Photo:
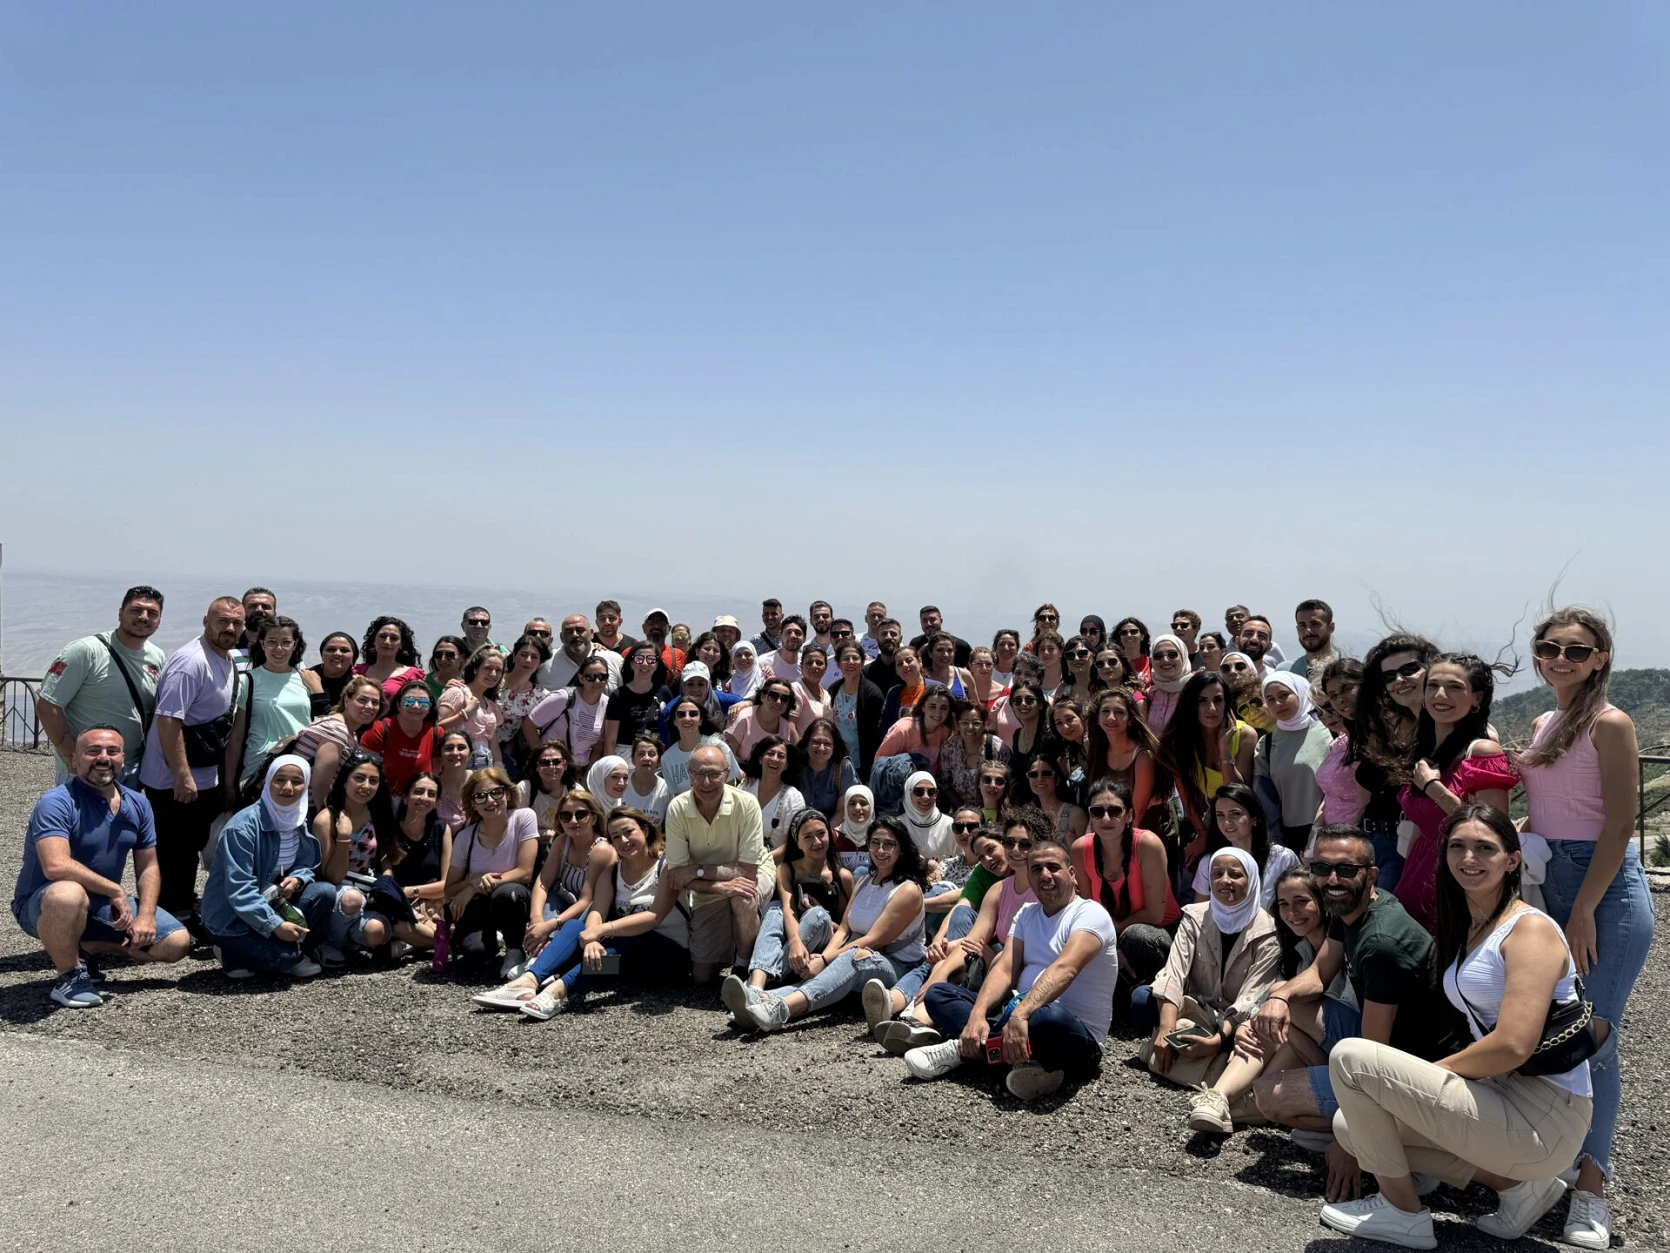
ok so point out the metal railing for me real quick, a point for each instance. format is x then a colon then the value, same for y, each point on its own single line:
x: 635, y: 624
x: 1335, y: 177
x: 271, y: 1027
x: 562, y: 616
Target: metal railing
x: 1653, y: 755
x: 20, y: 719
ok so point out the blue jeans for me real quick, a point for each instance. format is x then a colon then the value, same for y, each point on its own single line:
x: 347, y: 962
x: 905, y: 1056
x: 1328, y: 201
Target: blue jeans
x: 963, y: 918
x: 1145, y: 1010
x: 845, y: 975
x: 1339, y: 1022
x: 649, y: 958
x: 1387, y: 859
x: 771, y: 946
x: 1623, y: 935
x: 1059, y: 1040
x: 561, y: 951
x: 253, y: 951
x: 99, y: 931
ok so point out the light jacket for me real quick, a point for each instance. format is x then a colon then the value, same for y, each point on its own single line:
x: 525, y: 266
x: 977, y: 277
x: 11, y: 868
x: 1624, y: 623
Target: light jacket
x: 1196, y: 966
x: 246, y: 864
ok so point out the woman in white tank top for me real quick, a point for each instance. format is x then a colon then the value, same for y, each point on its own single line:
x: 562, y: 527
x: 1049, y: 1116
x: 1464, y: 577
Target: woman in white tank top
x: 1473, y: 1115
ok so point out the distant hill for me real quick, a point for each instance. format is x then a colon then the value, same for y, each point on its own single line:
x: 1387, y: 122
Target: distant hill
x: 1642, y: 694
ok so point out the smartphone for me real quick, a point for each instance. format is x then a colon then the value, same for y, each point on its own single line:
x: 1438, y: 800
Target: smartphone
x: 1185, y: 1036
x: 610, y: 965
x: 994, y: 1050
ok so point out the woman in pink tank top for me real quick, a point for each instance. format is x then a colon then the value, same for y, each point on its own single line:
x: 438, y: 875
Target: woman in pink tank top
x: 1580, y: 791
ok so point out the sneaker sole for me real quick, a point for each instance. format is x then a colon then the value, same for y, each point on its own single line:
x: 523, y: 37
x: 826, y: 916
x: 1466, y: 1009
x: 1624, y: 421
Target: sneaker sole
x: 67, y: 1003
x: 489, y: 1001
x: 734, y: 993
x: 878, y: 1004
x: 1515, y: 1233
x: 1431, y: 1242
x: 1029, y: 1087
x: 898, y: 1038
x: 1203, y: 1121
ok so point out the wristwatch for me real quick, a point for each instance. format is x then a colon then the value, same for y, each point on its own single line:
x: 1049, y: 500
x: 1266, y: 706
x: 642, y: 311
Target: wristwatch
x: 701, y: 872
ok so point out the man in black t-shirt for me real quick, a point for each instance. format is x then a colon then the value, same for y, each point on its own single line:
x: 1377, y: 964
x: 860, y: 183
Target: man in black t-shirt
x: 933, y: 622
x: 1388, y: 963
x: 880, y: 671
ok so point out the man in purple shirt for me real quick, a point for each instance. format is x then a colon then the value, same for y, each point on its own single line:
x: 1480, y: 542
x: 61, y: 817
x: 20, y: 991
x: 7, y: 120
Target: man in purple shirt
x: 184, y: 749
x: 69, y: 892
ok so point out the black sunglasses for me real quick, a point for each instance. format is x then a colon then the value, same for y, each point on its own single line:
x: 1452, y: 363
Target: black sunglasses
x: 1107, y: 811
x: 1548, y: 650
x: 1407, y: 670
x: 1079, y: 652
x: 962, y: 828
x: 1344, y: 869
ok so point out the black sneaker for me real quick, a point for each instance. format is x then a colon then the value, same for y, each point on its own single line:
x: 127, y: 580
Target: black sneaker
x: 95, y: 972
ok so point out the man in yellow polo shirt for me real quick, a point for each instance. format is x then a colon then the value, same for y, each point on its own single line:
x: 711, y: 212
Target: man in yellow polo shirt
x: 716, y: 851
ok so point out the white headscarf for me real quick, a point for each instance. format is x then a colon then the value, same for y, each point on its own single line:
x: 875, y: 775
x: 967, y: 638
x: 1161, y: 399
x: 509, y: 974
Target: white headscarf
x: 1170, y: 685
x: 1300, y: 687
x: 1251, y: 664
x: 745, y: 679
x: 930, y: 829
x: 601, y: 771
x: 857, y: 832
x: 1236, y: 919
x: 286, y: 818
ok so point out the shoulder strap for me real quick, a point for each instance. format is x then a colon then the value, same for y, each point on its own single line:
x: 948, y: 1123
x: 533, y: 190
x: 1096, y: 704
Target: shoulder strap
x: 249, y: 725
x: 133, y: 688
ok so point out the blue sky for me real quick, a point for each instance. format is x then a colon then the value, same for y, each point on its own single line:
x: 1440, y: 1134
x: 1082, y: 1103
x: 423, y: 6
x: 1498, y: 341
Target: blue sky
x: 965, y: 302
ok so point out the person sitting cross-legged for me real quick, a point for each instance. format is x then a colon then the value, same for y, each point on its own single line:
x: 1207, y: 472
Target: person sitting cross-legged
x: 69, y: 892
x: 1049, y: 996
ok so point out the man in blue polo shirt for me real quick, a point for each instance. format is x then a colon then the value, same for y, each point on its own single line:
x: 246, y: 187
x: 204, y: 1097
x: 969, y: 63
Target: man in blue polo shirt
x: 69, y: 893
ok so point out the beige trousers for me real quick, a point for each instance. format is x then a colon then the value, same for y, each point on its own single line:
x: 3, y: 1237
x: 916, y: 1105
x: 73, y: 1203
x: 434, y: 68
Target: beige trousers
x: 1398, y: 1113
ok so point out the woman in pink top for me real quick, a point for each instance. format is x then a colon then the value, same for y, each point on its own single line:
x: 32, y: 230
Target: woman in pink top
x: 772, y: 713
x: 1580, y: 794
x: 924, y: 731
x: 1456, y: 762
x: 473, y: 706
x: 1342, y: 797
x: 811, y: 701
x: 1170, y: 670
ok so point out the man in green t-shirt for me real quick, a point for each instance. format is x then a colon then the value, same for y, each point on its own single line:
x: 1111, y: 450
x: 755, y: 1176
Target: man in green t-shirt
x: 96, y: 679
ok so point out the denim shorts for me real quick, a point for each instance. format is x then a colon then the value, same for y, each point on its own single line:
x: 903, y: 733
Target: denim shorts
x: 1339, y: 1022
x: 99, y: 931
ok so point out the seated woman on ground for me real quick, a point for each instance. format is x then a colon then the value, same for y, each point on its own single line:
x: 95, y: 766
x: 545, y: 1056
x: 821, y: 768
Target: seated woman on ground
x: 765, y: 778
x: 968, y: 940
x: 580, y: 859
x: 995, y: 785
x: 770, y: 714
x: 548, y: 782
x: 607, y: 780
x: 262, y: 848
x: 923, y: 731
x: 325, y: 741
x: 416, y: 858
x: 635, y: 929
x: 1238, y: 821
x: 880, y: 939
x: 1221, y: 966
x: 827, y: 769
x: 852, y: 833
x: 358, y: 819
x: 487, y: 879
x: 1043, y: 778
x: 646, y: 790
x: 1301, y: 929
x: 1125, y: 868
x: 813, y: 889
x: 964, y: 752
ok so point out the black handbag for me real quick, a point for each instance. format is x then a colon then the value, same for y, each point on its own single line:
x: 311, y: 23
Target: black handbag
x: 1570, y: 1035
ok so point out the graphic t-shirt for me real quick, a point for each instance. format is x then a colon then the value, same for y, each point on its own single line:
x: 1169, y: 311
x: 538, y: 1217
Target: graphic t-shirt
x: 83, y: 681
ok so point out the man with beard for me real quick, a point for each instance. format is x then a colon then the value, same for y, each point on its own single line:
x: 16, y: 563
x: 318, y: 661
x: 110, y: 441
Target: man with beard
x: 889, y: 635
x: 577, y: 645
x: 819, y: 618
x: 785, y: 662
x: 477, y: 626
x: 184, y: 750
x: 106, y: 679
x: 1390, y: 966
x: 69, y: 892
x: 771, y: 618
x: 657, y: 629
x: 259, y: 604
x: 1256, y: 639
x: 933, y: 622
x: 1314, y: 620
x: 608, y: 634
x: 875, y: 613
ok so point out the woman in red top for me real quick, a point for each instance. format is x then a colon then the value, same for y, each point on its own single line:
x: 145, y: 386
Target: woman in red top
x: 1125, y: 868
x: 1130, y: 636
x: 407, y: 738
x: 1456, y: 762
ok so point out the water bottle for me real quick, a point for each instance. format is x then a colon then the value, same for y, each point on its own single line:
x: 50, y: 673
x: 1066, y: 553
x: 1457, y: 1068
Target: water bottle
x: 442, y: 955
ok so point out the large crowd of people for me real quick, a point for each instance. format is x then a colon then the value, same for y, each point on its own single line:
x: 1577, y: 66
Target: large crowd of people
x: 1295, y: 878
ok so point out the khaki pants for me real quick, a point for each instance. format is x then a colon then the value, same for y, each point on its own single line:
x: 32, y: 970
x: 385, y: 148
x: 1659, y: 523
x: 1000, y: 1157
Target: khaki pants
x: 715, y: 939
x: 1398, y: 1113
x: 1186, y: 1072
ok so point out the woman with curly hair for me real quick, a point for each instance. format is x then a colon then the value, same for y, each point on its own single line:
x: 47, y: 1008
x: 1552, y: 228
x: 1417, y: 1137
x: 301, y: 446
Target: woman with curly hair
x: 389, y: 654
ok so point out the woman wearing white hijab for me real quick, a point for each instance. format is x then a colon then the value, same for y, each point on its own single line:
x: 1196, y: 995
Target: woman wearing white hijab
x: 746, y: 676
x: 1169, y: 671
x: 852, y: 834
x: 1222, y: 964
x: 929, y: 829
x: 607, y: 781
x: 261, y: 903
x: 1286, y: 761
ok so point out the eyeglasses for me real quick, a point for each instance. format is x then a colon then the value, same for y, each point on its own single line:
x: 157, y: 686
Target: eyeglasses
x: 685, y: 715
x: 1022, y: 845
x: 1344, y: 869
x: 1129, y: 631
x: 884, y: 845
x: 445, y: 654
x: 1548, y: 650
x: 707, y: 776
x: 574, y: 815
x: 1235, y: 667
x: 495, y: 793
x: 552, y: 763
x: 963, y: 828
x: 924, y: 791
x: 1181, y: 626
x: 415, y: 702
x: 1407, y: 670
x: 544, y: 635
x: 1079, y: 652
x: 364, y: 756
x: 1254, y: 702
x: 1107, y: 811
x: 1168, y: 655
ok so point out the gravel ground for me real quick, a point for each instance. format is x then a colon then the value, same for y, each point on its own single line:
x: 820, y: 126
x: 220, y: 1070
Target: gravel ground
x: 673, y: 1055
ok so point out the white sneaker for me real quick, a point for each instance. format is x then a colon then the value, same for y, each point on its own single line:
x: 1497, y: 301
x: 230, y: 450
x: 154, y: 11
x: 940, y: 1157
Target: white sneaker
x: 933, y: 1061
x: 1209, y: 1111
x: 901, y: 1035
x: 510, y: 995
x: 547, y: 1005
x: 1589, y: 1224
x: 512, y: 964
x: 878, y: 1003
x: 240, y: 972
x: 734, y: 993
x: 306, y: 968
x: 398, y: 950
x: 769, y: 1015
x: 1376, y: 1218
x: 1518, y: 1209
x: 1029, y: 1081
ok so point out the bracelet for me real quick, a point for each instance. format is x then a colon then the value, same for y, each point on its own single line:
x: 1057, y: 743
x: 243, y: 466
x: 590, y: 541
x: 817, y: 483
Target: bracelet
x: 1427, y: 790
x: 1282, y: 999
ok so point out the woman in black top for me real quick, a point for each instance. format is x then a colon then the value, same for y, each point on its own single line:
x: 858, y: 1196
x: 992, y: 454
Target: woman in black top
x: 1382, y: 749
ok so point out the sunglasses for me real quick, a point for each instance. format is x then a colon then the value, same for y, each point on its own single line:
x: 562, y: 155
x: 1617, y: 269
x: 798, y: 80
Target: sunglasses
x: 1022, y: 845
x: 552, y: 763
x: 415, y: 702
x: 1040, y: 774
x: 993, y: 780
x: 1344, y: 869
x: 478, y: 622
x: 1168, y: 655
x: 544, y: 635
x: 594, y: 678
x: 1107, y: 811
x: 924, y: 791
x: 780, y: 698
x: 1181, y: 626
x: 1107, y: 663
x: 1407, y: 670
x: 450, y: 654
x: 1548, y: 650
x: 1024, y: 702
x: 963, y: 828
x: 685, y: 714
x: 1130, y: 631
x: 574, y: 815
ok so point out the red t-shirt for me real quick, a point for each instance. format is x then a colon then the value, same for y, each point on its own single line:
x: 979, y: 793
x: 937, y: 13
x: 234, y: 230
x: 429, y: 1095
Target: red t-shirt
x: 403, y: 756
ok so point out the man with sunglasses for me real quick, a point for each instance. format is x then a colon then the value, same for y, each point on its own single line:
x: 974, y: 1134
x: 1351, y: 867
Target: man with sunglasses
x: 1185, y: 625
x: 577, y: 645
x: 1390, y: 966
x: 477, y: 627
